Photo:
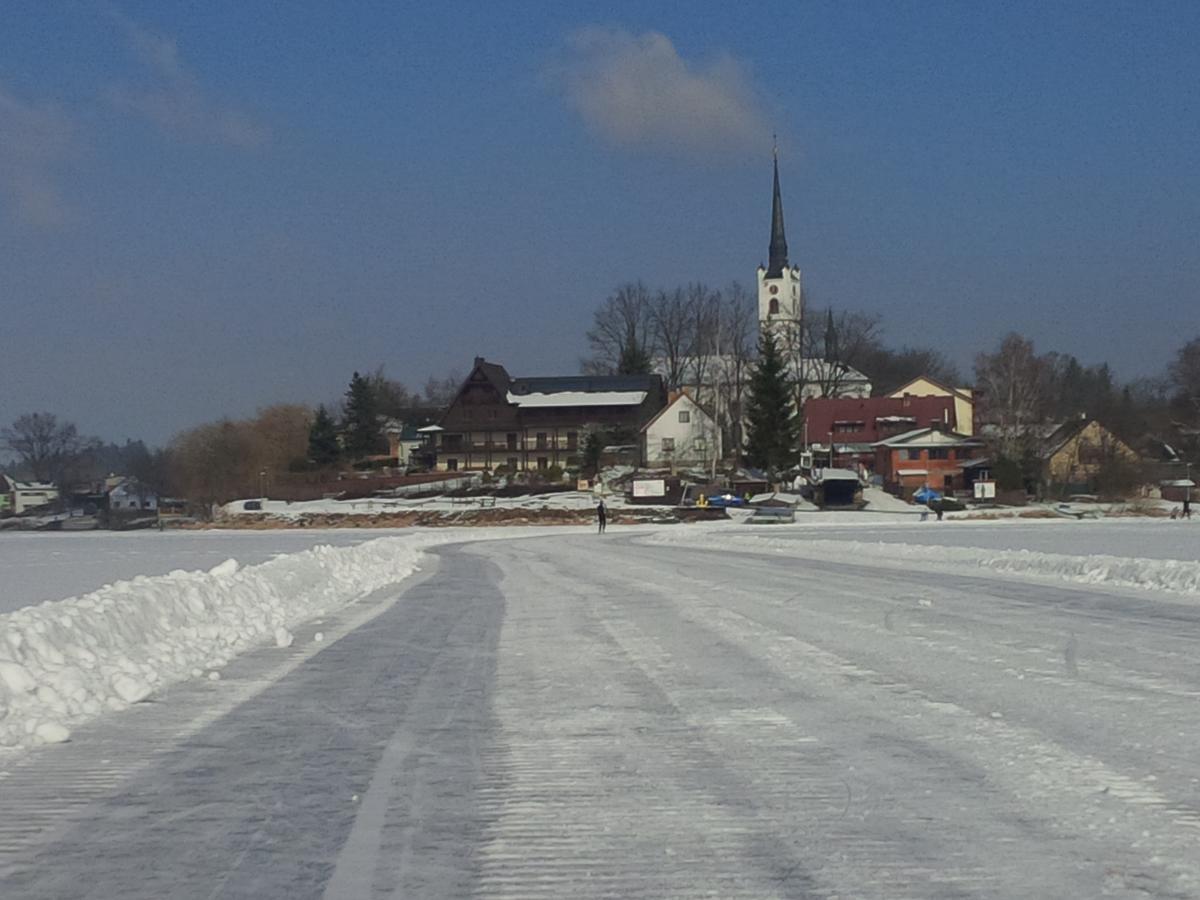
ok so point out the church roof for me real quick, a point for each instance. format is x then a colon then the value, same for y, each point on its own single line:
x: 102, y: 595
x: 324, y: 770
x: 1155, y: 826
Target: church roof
x: 778, y: 259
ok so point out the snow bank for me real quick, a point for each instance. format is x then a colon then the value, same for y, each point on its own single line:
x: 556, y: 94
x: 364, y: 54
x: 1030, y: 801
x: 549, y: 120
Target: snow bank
x: 1172, y: 575
x: 880, y: 500
x: 65, y: 661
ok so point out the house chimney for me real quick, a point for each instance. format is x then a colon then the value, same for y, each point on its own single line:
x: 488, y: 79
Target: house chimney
x: 479, y: 361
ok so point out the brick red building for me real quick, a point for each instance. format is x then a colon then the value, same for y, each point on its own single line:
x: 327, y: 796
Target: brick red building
x: 923, y: 457
x: 853, y: 425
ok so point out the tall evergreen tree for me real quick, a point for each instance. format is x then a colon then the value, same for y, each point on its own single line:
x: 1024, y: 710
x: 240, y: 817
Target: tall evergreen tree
x: 773, y: 430
x: 323, y: 447
x: 362, y: 435
x: 635, y: 360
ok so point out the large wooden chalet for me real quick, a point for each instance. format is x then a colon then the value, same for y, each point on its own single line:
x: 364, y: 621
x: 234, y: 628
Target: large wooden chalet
x: 534, y: 423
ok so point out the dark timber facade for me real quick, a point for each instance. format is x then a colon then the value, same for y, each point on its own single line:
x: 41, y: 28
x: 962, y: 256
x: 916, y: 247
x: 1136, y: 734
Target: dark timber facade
x: 528, y: 424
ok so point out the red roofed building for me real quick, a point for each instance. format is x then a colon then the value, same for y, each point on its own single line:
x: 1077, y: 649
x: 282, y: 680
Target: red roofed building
x: 852, y: 425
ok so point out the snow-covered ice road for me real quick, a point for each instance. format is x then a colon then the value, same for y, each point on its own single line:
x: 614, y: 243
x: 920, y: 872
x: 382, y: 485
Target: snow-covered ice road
x: 576, y: 716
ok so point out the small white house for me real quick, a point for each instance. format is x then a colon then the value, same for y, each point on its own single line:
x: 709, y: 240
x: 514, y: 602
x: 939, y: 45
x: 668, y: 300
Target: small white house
x: 682, y: 434
x: 131, y: 495
x: 27, y: 495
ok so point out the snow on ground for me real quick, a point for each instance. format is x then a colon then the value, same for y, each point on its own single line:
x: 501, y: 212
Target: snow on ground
x: 65, y: 661
x: 1144, y: 538
x: 383, y: 505
x: 879, y: 500
x: 1140, y: 560
x: 62, y: 662
x: 40, y: 566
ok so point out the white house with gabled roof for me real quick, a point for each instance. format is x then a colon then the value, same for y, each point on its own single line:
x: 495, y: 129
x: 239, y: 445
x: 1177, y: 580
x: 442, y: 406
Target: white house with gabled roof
x: 682, y: 434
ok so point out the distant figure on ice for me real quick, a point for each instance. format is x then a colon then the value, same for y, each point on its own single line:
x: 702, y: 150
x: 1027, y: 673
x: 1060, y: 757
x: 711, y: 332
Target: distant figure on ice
x: 1187, y: 507
x: 601, y: 516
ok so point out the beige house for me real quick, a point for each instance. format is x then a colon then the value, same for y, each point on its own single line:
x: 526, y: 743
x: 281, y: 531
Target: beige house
x: 964, y: 399
x: 1076, y: 450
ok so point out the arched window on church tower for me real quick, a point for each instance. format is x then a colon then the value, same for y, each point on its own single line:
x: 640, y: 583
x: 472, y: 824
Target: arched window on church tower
x: 773, y: 309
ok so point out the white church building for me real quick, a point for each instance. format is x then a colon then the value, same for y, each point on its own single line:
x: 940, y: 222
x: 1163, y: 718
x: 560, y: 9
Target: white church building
x: 781, y: 312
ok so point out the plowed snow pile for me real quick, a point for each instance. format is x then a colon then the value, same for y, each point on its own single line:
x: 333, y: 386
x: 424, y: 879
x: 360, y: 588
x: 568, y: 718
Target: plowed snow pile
x: 65, y: 661
x: 1175, y: 576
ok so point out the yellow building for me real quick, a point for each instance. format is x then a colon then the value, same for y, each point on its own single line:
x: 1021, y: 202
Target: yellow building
x: 964, y: 399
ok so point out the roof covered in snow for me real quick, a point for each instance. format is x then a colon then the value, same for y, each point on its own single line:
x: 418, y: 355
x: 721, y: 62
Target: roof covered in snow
x: 578, y: 398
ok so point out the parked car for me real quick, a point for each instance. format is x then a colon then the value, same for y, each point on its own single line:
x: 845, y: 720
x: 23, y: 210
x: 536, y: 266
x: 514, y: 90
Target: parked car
x: 727, y: 499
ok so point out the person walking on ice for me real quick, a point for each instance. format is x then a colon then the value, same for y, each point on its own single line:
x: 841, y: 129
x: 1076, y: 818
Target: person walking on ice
x: 601, y: 516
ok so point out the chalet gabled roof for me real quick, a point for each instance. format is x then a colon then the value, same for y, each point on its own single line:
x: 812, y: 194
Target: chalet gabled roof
x: 676, y: 398
x: 929, y: 437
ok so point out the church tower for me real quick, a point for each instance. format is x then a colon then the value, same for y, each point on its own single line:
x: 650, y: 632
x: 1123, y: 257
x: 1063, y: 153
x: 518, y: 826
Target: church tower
x: 780, y: 299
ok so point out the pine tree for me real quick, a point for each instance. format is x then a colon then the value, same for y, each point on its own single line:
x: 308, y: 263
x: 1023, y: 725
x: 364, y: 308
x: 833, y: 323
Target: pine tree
x: 323, y: 447
x: 362, y: 435
x: 773, y: 431
x: 634, y: 358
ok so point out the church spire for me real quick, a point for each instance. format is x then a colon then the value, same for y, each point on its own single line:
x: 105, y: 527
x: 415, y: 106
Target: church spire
x: 778, y: 260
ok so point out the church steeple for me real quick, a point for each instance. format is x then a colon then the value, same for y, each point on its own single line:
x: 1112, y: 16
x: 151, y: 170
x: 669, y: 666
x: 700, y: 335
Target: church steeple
x: 778, y: 259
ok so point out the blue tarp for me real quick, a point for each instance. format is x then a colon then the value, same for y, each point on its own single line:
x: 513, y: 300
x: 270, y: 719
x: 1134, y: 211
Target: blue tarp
x: 926, y: 495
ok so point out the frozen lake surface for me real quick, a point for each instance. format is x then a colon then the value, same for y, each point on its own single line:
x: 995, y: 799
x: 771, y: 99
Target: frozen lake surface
x: 1144, y: 538
x: 568, y: 715
x: 51, y: 566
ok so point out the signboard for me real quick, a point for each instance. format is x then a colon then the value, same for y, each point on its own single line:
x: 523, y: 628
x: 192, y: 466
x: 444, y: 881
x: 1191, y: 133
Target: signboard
x: 651, y: 487
x: 985, y: 490
x: 582, y: 484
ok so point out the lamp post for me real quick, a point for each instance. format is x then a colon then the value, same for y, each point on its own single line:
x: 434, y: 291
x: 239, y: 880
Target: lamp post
x: 262, y: 491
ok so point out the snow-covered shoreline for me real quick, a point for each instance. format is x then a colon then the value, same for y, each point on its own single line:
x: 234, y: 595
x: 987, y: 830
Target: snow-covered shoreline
x: 63, y: 662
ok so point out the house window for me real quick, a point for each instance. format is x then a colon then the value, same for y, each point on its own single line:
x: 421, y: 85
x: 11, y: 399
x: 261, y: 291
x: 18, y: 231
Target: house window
x: 572, y: 440
x: 452, y: 465
x: 700, y: 444
x: 685, y: 416
x: 912, y: 455
x: 939, y: 453
x: 541, y: 440
x: 543, y: 463
x: 511, y: 441
x: 668, y: 445
x: 512, y: 464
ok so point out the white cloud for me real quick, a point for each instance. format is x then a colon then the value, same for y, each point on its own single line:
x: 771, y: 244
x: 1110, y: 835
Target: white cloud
x: 34, y: 140
x: 174, y: 99
x: 636, y: 91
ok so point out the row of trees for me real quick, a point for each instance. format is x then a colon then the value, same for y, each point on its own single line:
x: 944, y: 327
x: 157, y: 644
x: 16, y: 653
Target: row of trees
x: 228, y: 458
x: 705, y: 338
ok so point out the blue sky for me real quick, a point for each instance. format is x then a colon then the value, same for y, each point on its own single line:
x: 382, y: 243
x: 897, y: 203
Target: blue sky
x: 207, y: 208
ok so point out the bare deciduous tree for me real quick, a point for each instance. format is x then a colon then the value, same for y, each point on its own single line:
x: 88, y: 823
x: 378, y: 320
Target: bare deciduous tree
x: 221, y: 461
x: 1184, y: 376
x: 832, y: 347
x: 50, y: 449
x: 672, y: 334
x: 440, y: 391
x: 621, y: 327
x: 1013, y: 383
